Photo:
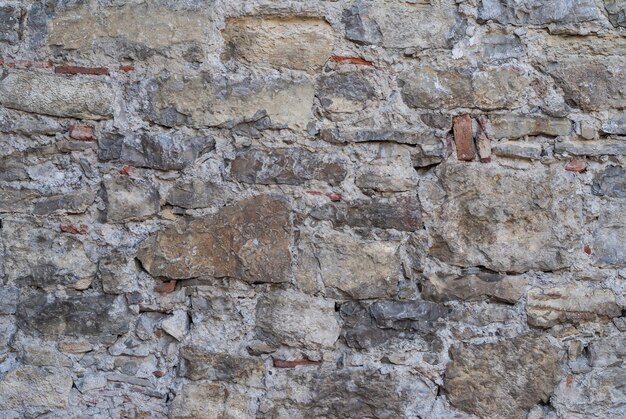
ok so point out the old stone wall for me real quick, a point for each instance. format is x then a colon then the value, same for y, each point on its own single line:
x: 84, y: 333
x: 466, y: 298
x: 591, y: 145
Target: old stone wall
x: 303, y: 209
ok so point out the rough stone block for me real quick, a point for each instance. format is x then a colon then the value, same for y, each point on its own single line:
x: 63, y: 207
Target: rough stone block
x: 515, y: 126
x: 130, y: 199
x: 28, y: 387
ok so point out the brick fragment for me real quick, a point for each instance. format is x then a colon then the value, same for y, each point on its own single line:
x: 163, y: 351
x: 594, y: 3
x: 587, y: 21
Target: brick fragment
x: 24, y: 64
x: 74, y: 228
x: 464, y: 138
x: 333, y: 196
x: 282, y: 363
x: 127, y: 68
x: 577, y: 166
x: 71, y: 69
x: 587, y: 249
x: 82, y: 132
x: 126, y: 170
x: 350, y: 60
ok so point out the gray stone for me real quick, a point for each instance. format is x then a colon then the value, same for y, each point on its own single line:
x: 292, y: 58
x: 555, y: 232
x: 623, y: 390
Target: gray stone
x: 76, y: 315
x: 388, y: 174
x: 72, y: 203
x: 118, y: 273
x: 515, y: 126
x: 577, y: 303
x: 407, y: 315
x: 610, y: 182
x: 172, y: 150
x: 517, y: 149
x: 295, y: 319
x: 360, y: 27
x: 196, y: 194
x: 249, y: 240
x: 27, y: 387
x: 56, y: 95
x: 608, y: 352
x: 503, y: 379
x: 474, y: 287
x: 8, y: 299
x: 503, y: 219
x: 345, y: 92
x: 591, y: 148
x: 130, y: 199
x: 537, y: 12
x: 300, y: 43
x: 9, y: 24
x: 608, y: 237
x: 401, y: 213
x: 290, y: 166
x: 615, y: 124
x: 176, y: 325
x: 617, y: 12
x: 205, y: 365
x: 209, y: 400
x: 359, y: 328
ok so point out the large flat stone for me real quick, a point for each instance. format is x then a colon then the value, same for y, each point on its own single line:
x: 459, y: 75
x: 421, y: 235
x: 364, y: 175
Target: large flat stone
x: 27, y: 387
x: 249, y: 240
x: 56, y: 95
x: 608, y: 248
x: 503, y: 219
x: 474, y: 287
x: 515, y: 126
x: 217, y: 366
x: 129, y: 199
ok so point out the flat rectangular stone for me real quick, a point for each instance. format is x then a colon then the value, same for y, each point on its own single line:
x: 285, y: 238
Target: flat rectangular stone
x: 607, y: 147
x: 512, y: 126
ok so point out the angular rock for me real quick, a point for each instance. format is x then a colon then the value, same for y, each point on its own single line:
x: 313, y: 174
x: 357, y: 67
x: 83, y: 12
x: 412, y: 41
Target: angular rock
x: 8, y: 299
x: 195, y: 194
x: 345, y: 92
x: 202, y: 365
x: 504, y: 379
x: 209, y: 100
x: 295, y: 319
x: 176, y: 325
x: 474, y: 287
x: 70, y: 97
x: 9, y: 23
x: 41, y: 257
x: 352, y: 268
x: 172, y: 150
x: 130, y: 199
x: 576, y: 303
x: 407, y: 315
x: 401, y: 213
x: 491, y: 88
x: 118, y: 273
x: 28, y: 387
x: 289, y: 166
x: 99, y: 316
x: 209, y: 400
x: 360, y: 25
x: 359, y: 328
x: 608, y: 237
x: 608, y: 352
x: 517, y: 149
x: 249, y: 241
x: 125, y: 27
x: 591, y: 148
x: 515, y: 126
x: 537, y: 12
x: 388, y: 174
x: 616, y: 124
x: 299, y: 43
x: 592, y: 84
x: 610, y: 182
x: 503, y: 219
x: 72, y: 203
x: 617, y: 12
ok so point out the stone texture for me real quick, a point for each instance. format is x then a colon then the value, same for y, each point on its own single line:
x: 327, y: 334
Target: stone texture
x: 388, y: 174
x: 206, y: 100
x: 534, y: 229
x: 248, y: 240
x: 570, y: 304
x: 504, y: 379
x: 289, y: 166
x: 474, y: 286
x: 299, y: 43
x: 295, y: 319
x: 536, y: 12
x: 56, y: 95
x: 611, y: 182
x: 195, y: 194
x: 211, y: 400
x: 203, y: 365
x: 617, y: 12
x: 30, y: 387
x: 591, y: 148
x: 516, y: 126
x: 464, y: 138
x: 608, y: 237
x: 9, y: 23
x: 129, y: 199
x: 344, y: 93
x: 518, y: 149
x: 615, y: 124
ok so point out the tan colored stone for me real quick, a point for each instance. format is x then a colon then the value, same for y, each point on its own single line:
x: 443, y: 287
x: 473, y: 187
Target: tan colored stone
x: 218, y: 366
x: 576, y: 303
x: 479, y: 286
x: 300, y: 43
x: 30, y: 387
x: 209, y: 400
x: 74, y: 346
x: 249, y: 240
x: 516, y: 126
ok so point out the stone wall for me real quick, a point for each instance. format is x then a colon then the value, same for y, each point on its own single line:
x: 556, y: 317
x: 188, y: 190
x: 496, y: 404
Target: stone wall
x: 295, y: 209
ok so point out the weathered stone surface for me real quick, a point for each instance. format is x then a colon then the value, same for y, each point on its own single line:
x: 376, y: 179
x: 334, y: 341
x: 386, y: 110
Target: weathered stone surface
x: 431, y: 87
x: 208, y: 100
x: 615, y: 124
x: 249, y: 240
x: 204, y: 365
x: 506, y: 220
x: 617, y: 12
x: 9, y: 24
x: 610, y: 182
x: 125, y: 26
x: 172, y: 150
x: 537, y: 12
x: 474, y: 286
x: 72, y: 202
x: 517, y: 149
x: 294, y: 319
x: 300, y: 43
x: 28, y: 387
x: 388, y: 174
x: 8, y: 299
x: 359, y: 328
x: 504, y: 379
x: 209, y: 400
x: 592, y: 148
x: 407, y: 315
x: 76, y: 315
x: 464, y: 138
x: 130, y: 199
x: 608, y: 352
x: 592, y: 84
x: 361, y: 27
x: 401, y: 213
x: 118, y: 273
x: 71, y: 97
x: 608, y: 237
x: 342, y: 93
x: 290, y: 166
x: 41, y: 257
x: 349, y: 392
x: 352, y: 268
x: 195, y: 194
x: 575, y: 304
x: 515, y: 126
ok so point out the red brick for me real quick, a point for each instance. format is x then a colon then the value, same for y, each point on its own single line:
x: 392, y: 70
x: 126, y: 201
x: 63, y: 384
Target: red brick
x: 126, y: 170
x: 74, y: 229
x: 350, y: 60
x: 11, y: 63
x: 71, y: 69
x: 127, y: 68
x: 166, y: 287
x: 333, y: 196
x: 587, y: 249
x: 82, y: 132
x: 464, y: 138
x: 577, y: 166
x: 281, y: 363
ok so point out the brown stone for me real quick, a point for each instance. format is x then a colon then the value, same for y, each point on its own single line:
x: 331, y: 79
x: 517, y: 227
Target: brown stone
x: 82, y: 132
x: 464, y: 138
x: 249, y: 241
x: 282, y: 363
x: 74, y: 346
x: 577, y: 166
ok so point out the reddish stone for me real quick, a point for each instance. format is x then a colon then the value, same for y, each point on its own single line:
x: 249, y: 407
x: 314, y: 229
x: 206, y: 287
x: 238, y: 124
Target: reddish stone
x: 587, y: 249
x: 316, y: 193
x: 82, y: 132
x: 282, y: 363
x: 158, y: 374
x: 166, y: 287
x: 74, y: 229
x: 569, y: 381
x: 464, y: 138
x: 126, y: 170
x: 11, y: 63
x: 333, y: 196
x: 351, y: 60
x: 577, y: 166
x: 71, y: 69
x: 127, y: 68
